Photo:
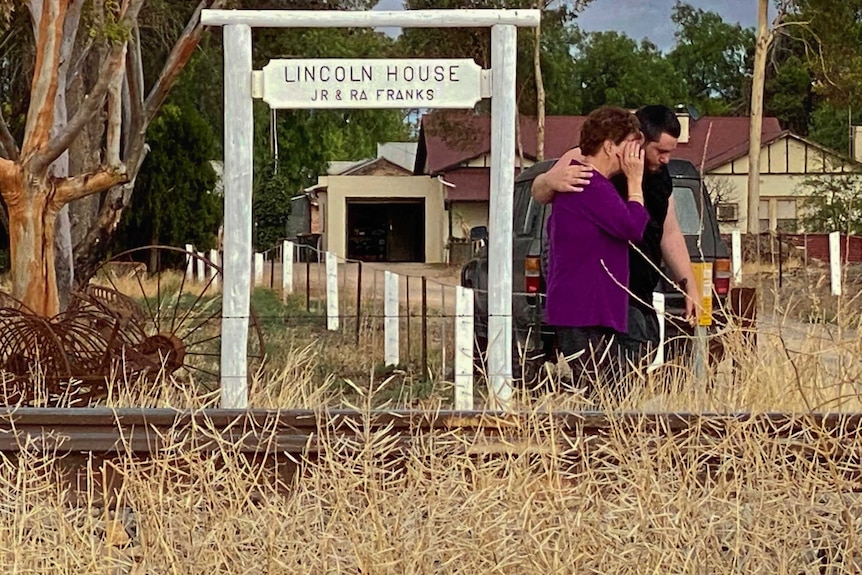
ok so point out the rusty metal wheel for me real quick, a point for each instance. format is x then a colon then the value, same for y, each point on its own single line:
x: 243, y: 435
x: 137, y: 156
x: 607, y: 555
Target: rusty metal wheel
x: 31, y: 356
x: 173, y: 322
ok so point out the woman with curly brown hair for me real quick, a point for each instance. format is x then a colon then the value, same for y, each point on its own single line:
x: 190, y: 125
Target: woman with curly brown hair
x: 588, y: 233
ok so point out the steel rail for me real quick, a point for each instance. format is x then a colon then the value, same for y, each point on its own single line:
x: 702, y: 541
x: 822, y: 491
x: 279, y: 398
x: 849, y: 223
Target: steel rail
x: 141, y: 431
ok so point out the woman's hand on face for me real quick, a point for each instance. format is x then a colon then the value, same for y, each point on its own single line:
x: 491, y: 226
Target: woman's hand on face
x: 632, y: 160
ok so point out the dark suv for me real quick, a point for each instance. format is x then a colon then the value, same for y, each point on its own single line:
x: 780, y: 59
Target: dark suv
x: 532, y: 338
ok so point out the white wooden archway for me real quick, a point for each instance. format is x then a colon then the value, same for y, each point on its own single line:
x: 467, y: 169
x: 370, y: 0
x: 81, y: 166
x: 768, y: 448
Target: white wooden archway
x: 238, y: 88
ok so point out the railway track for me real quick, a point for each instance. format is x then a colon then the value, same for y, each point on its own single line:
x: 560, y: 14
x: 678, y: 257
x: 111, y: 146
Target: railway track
x: 92, y: 449
x: 295, y: 433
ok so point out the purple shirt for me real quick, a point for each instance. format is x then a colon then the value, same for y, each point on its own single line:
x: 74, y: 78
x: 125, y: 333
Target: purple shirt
x: 587, y: 233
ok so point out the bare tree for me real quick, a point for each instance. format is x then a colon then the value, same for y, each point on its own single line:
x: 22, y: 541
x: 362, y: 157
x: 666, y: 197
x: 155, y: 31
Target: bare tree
x: 721, y: 190
x: 34, y: 178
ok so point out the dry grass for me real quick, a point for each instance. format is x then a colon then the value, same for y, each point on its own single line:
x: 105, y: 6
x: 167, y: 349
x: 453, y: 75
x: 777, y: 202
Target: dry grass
x: 635, y: 501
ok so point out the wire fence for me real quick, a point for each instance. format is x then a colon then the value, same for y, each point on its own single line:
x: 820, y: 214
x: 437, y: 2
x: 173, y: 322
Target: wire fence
x: 397, y: 322
x: 425, y: 326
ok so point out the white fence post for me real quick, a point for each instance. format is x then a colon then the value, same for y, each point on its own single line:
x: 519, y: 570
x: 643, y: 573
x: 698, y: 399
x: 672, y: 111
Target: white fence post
x: 835, y: 261
x: 463, y: 348
x: 391, y: 335
x: 213, y: 268
x: 331, y: 292
x: 286, y: 269
x: 736, y: 255
x: 201, y: 266
x: 658, y: 306
x: 190, y: 262
x: 258, y: 269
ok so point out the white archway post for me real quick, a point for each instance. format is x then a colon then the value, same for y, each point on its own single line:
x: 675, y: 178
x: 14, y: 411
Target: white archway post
x: 241, y: 84
x: 238, y: 162
x: 504, y: 114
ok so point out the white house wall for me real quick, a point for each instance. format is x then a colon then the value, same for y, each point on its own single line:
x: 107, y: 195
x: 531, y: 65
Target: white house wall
x: 342, y: 188
x: 784, y: 165
x: 466, y: 215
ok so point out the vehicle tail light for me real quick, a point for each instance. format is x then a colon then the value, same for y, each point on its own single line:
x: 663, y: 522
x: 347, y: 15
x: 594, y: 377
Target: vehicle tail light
x: 721, y: 277
x: 532, y: 273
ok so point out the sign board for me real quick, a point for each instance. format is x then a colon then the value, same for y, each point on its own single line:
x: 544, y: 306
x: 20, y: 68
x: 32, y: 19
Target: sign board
x: 363, y: 83
x: 703, y: 278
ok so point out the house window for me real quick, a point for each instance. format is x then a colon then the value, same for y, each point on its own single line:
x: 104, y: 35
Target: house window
x: 727, y: 212
x: 763, y: 215
x: 785, y: 216
x: 787, y: 226
x: 779, y: 215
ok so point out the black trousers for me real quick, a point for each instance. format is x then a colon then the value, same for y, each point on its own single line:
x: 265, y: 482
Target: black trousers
x: 593, y: 353
x: 638, y: 347
x: 601, y: 355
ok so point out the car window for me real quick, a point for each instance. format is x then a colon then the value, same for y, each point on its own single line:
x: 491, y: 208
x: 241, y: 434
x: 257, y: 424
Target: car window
x: 687, y: 213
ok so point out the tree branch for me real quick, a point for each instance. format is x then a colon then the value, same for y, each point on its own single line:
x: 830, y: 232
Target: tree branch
x: 48, y: 23
x: 177, y: 59
x: 105, y: 178
x: 115, y: 116
x: 94, y: 101
x: 133, y: 94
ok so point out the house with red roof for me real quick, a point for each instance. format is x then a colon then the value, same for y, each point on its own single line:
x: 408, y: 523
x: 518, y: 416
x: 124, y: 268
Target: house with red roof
x: 414, y: 201
x: 455, y: 146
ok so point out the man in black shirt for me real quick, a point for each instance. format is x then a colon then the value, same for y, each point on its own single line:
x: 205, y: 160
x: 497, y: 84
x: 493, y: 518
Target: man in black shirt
x: 663, y: 239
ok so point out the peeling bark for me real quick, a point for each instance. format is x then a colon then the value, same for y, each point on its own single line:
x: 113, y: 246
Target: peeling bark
x: 64, y: 262
x: 115, y: 117
x: 31, y: 238
x: 43, y: 90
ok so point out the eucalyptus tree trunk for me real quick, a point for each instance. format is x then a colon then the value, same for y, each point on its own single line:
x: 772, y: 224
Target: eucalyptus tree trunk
x: 764, y: 37
x: 35, y: 180
x: 63, y: 263
x: 139, y: 111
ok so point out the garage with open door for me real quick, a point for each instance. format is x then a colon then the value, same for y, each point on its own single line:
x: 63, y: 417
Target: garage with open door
x: 386, y: 230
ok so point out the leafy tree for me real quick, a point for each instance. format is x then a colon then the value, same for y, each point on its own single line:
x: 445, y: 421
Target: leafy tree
x: 833, y: 204
x: 832, y: 33
x: 611, y: 68
x: 559, y: 69
x: 788, y: 95
x: 272, y: 193
x: 175, y: 203
x: 829, y: 126
x: 713, y: 58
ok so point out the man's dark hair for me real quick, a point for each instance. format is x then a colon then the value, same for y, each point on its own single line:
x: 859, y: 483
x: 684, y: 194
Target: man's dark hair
x: 657, y: 120
x: 607, y: 123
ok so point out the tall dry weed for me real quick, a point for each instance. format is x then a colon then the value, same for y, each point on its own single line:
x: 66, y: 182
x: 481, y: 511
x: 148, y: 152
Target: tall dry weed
x: 635, y: 499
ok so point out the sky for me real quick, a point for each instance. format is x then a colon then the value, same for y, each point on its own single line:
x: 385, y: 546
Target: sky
x: 641, y: 19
